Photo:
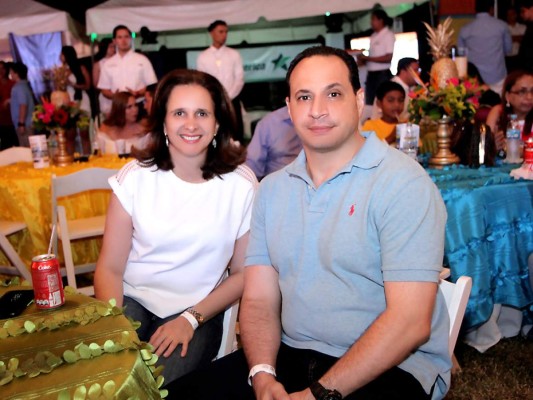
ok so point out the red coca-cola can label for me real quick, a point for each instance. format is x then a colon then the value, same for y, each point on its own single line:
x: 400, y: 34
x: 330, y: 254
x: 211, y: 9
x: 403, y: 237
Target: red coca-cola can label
x: 47, y: 283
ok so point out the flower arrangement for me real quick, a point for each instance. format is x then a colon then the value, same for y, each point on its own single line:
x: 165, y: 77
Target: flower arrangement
x: 58, y: 76
x: 458, y: 99
x: 48, y: 117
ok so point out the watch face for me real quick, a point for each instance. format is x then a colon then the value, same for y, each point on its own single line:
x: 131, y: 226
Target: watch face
x: 333, y: 395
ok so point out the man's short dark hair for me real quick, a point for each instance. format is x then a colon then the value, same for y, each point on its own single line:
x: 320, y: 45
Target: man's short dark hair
x: 216, y: 23
x: 387, y: 87
x: 326, y: 51
x: 118, y: 28
x: 405, y: 63
x: 20, y: 69
x: 484, y: 5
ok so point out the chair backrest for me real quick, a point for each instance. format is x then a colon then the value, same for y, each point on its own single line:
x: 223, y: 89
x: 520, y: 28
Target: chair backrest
x: 78, y: 182
x: 456, y: 296
x: 229, y: 335
x: 14, y: 155
x: 17, y: 266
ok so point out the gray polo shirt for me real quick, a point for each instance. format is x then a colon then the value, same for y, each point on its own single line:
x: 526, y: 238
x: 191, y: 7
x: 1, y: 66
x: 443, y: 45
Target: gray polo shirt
x: 381, y: 218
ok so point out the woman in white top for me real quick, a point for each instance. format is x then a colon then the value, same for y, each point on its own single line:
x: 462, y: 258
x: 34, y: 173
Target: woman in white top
x: 121, y: 131
x: 79, y: 80
x: 178, y: 217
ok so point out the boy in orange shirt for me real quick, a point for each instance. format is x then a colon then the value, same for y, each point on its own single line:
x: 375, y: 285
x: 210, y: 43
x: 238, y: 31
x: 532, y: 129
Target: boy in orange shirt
x: 390, y: 98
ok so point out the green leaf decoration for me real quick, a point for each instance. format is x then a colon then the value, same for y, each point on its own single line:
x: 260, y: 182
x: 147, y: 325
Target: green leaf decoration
x: 12, y: 364
x: 3, y: 367
x: 63, y: 395
x: 96, y: 350
x: 163, y: 393
x: 95, y: 391
x: 159, y: 381
x: 85, y: 352
x: 70, y: 290
x: 6, y: 378
x: 29, y: 326
x: 19, y: 372
x: 54, y: 361
x: 33, y: 371
x: 112, y: 302
x: 70, y: 357
x: 80, y: 393
x: 116, y: 311
x: 146, y: 354
x: 109, y: 389
x: 108, y: 346
x: 158, y: 370
x: 102, y: 310
x: 153, y: 360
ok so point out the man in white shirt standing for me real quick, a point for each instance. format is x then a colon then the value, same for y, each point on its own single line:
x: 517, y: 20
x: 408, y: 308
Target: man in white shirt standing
x: 126, y: 71
x: 225, y: 64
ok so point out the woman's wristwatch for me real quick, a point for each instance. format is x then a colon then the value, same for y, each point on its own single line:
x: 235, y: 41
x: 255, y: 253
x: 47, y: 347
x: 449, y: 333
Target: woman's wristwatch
x: 321, y: 393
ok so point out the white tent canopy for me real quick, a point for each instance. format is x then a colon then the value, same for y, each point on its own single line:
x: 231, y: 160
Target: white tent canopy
x: 171, y: 15
x: 28, y: 17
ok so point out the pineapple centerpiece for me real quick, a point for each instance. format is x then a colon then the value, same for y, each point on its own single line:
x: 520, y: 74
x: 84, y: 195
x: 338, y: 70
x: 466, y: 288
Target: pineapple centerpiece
x: 440, y: 43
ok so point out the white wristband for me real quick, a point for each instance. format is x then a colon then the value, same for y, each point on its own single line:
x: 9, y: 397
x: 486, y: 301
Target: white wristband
x: 269, y: 369
x: 189, y: 317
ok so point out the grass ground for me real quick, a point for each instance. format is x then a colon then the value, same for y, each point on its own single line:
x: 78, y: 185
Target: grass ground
x: 504, y: 372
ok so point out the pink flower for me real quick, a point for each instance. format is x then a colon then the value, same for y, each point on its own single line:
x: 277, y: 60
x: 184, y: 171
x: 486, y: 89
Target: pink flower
x: 473, y: 100
x: 46, y: 118
x: 468, y: 85
x: 49, y: 108
x: 453, y: 81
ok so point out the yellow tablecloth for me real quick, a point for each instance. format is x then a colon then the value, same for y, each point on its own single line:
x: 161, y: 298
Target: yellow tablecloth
x: 84, y: 320
x: 25, y: 196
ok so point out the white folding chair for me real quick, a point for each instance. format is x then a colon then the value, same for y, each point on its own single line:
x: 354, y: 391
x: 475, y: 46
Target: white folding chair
x: 456, y: 296
x: 229, y: 334
x: 17, y: 266
x: 14, y: 155
x: 82, y: 228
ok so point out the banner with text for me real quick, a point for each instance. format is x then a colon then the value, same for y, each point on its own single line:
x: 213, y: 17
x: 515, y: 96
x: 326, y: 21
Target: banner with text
x: 262, y: 64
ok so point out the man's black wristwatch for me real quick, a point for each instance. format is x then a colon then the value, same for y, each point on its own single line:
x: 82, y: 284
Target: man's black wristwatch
x: 321, y: 393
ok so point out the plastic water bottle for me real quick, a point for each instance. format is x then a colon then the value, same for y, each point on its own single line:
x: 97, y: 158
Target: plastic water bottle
x: 410, y: 142
x: 512, y: 140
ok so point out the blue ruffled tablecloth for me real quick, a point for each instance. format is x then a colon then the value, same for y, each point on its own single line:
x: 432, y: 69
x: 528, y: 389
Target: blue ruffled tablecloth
x: 489, y: 235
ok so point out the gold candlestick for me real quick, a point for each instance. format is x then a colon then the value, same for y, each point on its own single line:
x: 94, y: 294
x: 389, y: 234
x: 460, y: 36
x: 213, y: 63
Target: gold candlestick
x: 444, y: 155
x: 62, y: 158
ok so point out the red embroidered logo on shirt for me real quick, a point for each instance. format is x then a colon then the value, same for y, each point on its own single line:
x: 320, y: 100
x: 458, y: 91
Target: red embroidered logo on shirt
x: 352, y: 210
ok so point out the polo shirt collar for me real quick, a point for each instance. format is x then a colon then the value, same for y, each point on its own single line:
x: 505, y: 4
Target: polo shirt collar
x: 368, y: 157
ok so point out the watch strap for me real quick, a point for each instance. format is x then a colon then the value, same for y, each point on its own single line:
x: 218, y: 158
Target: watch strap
x: 198, y: 316
x: 321, y: 393
x: 269, y: 369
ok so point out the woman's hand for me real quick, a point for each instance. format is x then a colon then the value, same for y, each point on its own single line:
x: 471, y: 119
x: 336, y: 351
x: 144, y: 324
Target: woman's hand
x: 168, y: 336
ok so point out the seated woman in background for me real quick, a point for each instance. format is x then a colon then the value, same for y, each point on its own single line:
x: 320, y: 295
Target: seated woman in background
x: 78, y: 81
x: 390, y: 97
x: 517, y: 98
x: 178, y: 217
x: 121, y: 128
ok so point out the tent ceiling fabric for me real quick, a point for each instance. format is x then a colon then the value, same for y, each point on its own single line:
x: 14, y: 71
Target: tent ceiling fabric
x: 27, y: 17
x: 172, y: 15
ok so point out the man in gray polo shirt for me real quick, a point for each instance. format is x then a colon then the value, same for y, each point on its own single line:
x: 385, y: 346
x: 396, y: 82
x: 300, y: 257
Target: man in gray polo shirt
x: 346, y: 246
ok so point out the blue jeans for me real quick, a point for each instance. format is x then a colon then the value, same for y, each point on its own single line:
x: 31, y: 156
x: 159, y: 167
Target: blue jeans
x: 203, y: 347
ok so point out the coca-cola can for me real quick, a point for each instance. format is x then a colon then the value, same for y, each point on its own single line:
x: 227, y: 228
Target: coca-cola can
x: 47, y: 283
